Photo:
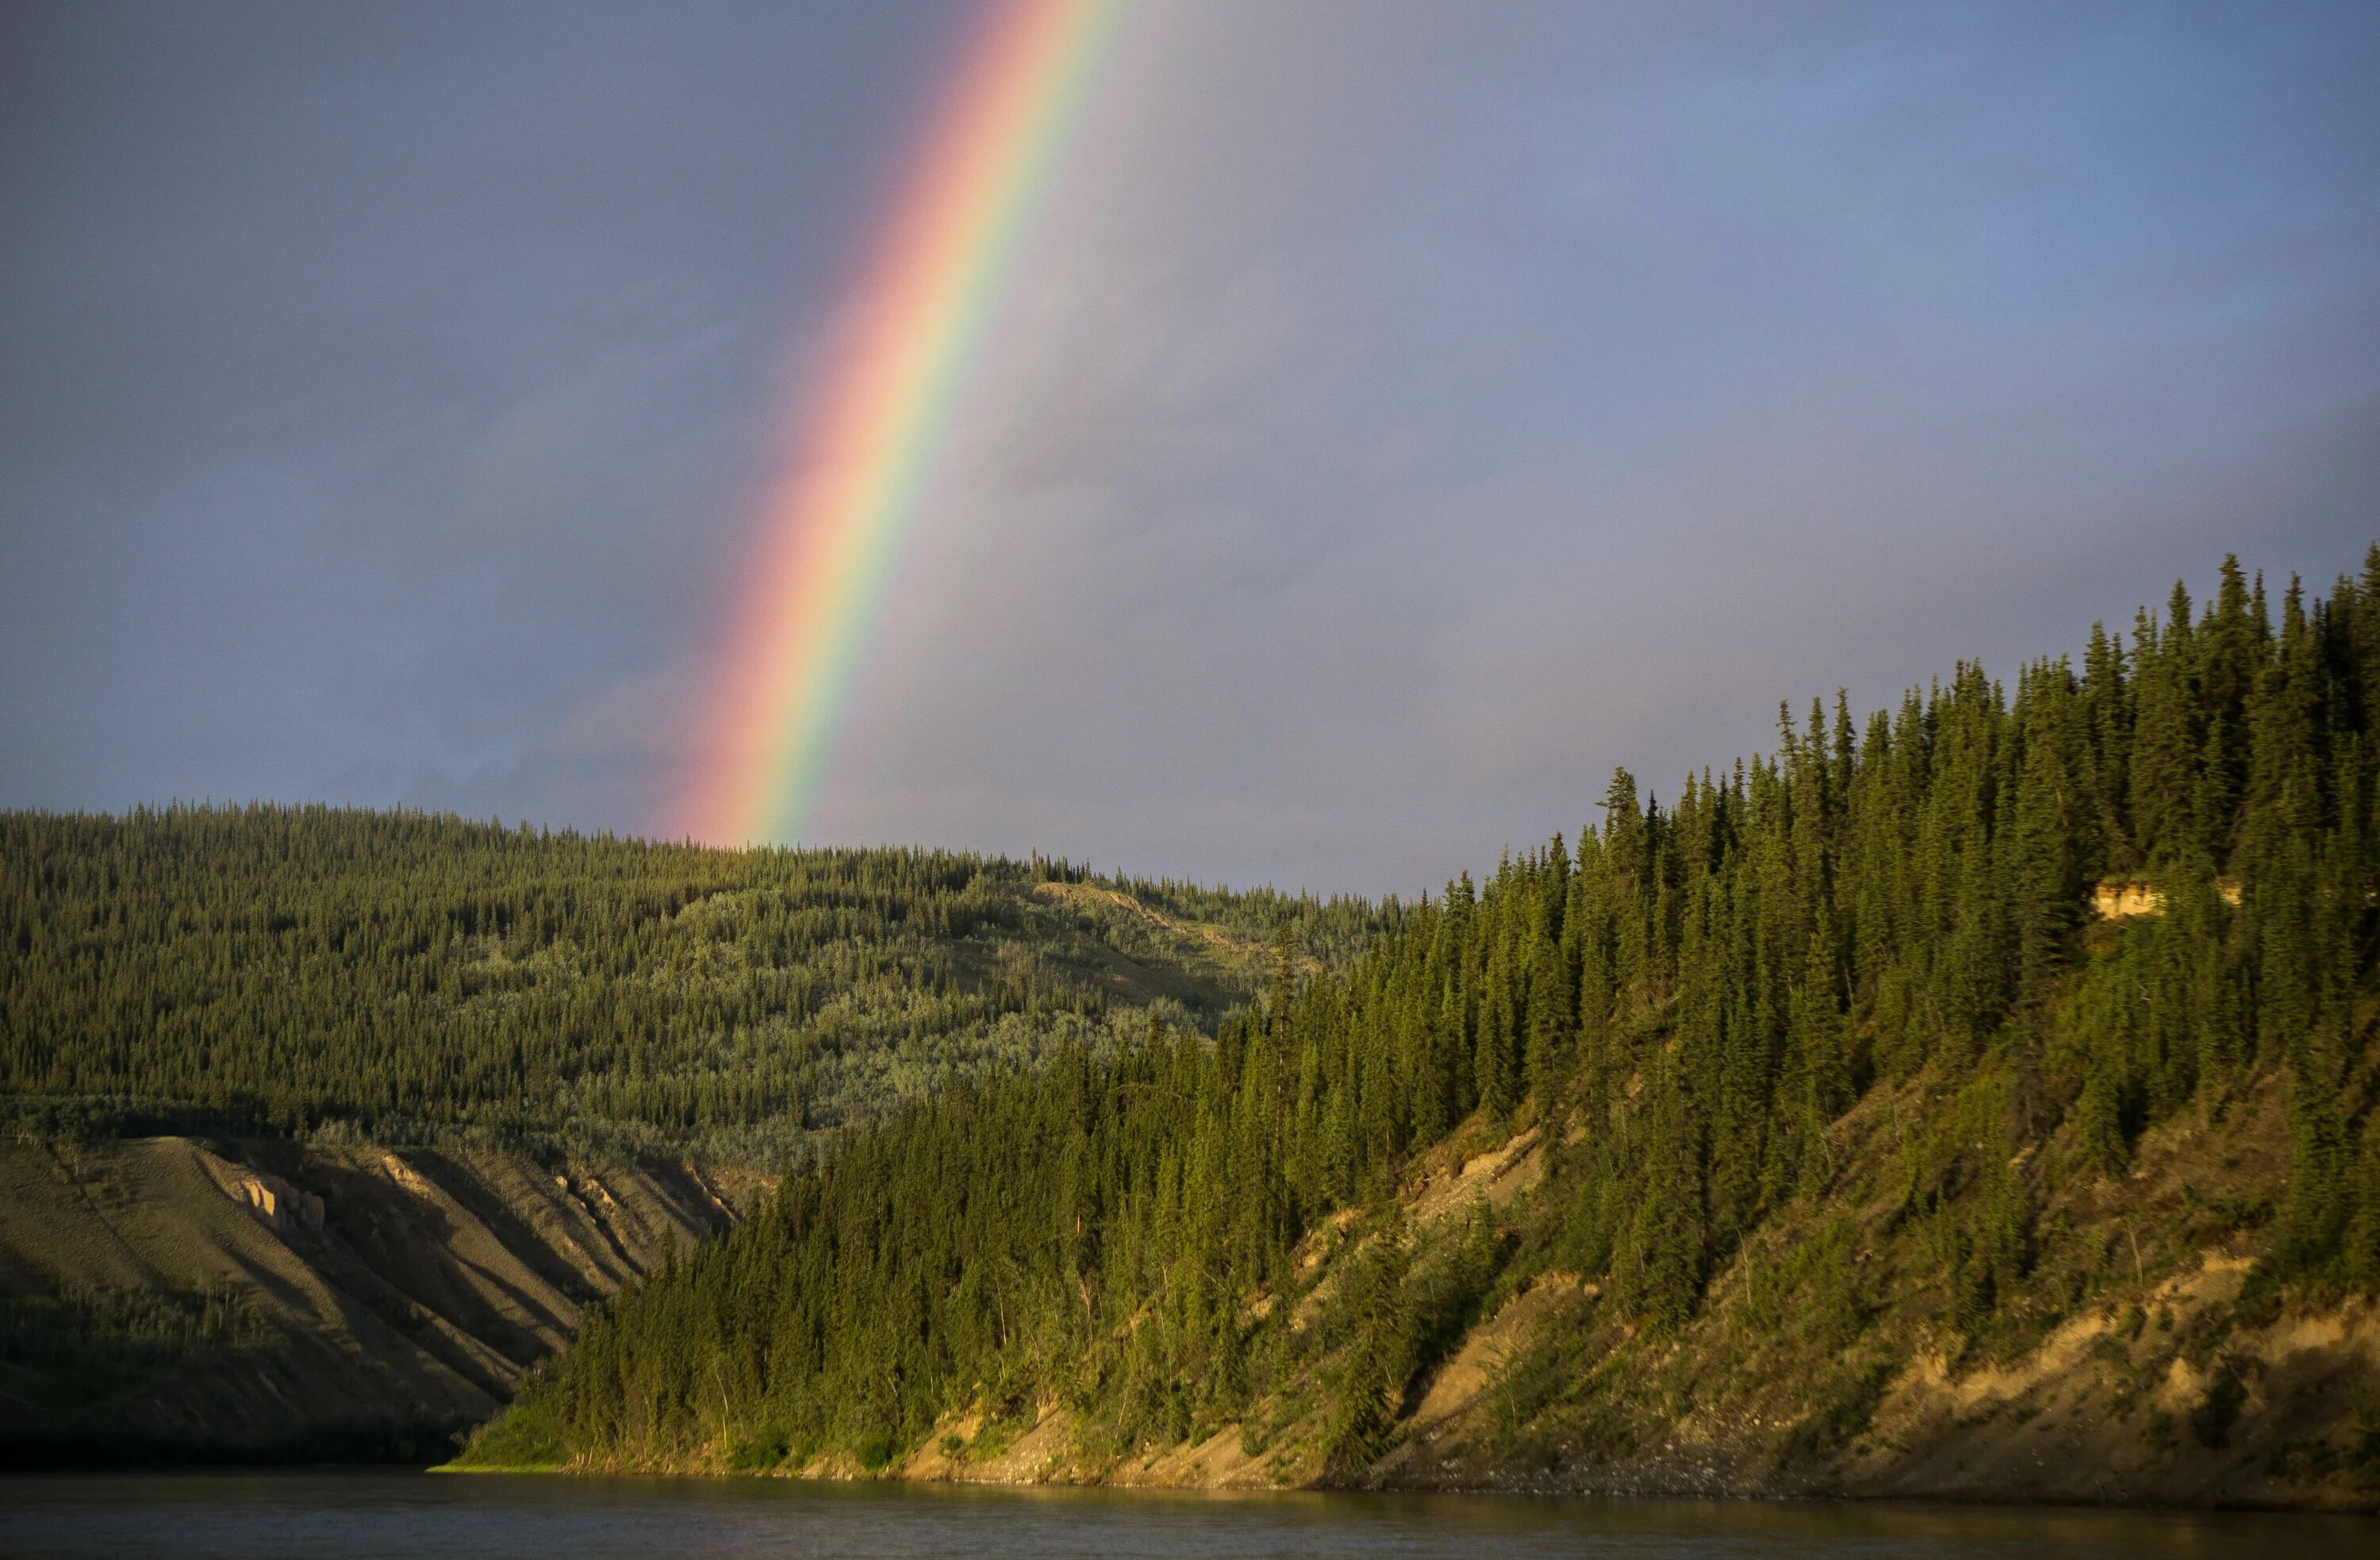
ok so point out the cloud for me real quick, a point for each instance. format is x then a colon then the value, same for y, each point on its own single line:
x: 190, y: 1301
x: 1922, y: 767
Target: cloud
x: 1402, y: 416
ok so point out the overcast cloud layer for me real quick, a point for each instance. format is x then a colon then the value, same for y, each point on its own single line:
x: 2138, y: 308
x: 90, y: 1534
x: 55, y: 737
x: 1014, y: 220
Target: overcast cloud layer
x: 1404, y: 415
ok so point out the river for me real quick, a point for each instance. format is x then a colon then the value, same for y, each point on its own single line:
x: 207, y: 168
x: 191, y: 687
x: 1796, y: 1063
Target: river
x: 347, y: 1515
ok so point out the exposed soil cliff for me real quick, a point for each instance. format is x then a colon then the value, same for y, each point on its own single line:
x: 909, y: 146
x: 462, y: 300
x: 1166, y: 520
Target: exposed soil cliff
x: 167, y: 1295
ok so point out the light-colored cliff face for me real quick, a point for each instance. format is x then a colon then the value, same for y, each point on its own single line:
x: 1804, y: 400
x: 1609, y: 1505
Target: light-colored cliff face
x: 2122, y: 898
x: 216, y: 1296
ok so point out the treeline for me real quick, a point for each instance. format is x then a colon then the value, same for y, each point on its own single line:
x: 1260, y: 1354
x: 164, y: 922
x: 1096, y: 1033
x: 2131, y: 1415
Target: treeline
x: 318, y: 970
x: 1689, y: 1001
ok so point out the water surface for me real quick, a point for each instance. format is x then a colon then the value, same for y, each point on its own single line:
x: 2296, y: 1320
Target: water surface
x: 346, y: 1515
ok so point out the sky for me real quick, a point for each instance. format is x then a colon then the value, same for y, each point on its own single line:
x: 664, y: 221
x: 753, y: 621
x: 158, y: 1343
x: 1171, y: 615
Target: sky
x: 1399, y: 415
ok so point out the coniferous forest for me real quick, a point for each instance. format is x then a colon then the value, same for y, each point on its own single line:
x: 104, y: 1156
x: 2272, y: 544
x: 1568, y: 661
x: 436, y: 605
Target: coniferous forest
x: 310, y: 970
x: 318, y: 1127
x: 2017, y: 1023
x: 1880, y: 1047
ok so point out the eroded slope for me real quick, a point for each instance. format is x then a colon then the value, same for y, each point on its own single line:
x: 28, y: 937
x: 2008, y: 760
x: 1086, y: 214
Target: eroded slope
x: 178, y: 1297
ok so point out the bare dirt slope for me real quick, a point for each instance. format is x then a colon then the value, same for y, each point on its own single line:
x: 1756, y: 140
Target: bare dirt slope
x: 169, y: 1294
x: 2139, y: 1366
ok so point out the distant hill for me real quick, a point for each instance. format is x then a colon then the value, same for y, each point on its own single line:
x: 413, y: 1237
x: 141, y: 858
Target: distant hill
x: 1816, y: 1131
x: 286, y: 970
x: 318, y: 1127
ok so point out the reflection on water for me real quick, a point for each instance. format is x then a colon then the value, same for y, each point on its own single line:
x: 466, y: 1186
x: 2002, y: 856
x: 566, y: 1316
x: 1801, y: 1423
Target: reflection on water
x: 259, y: 1517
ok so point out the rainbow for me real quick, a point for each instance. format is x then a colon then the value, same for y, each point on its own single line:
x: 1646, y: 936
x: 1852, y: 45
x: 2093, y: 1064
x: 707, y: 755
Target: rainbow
x: 834, y: 532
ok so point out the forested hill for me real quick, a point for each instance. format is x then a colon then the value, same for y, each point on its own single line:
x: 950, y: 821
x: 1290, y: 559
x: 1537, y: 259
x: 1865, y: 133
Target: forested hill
x: 1972, y: 1099
x: 318, y: 1127
x: 307, y: 970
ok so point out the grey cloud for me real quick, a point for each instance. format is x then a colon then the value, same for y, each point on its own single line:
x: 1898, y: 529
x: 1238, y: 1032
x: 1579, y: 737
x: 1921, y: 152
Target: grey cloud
x: 1404, y: 414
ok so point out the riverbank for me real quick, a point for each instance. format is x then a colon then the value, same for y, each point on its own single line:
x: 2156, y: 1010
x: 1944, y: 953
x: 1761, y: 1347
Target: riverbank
x: 1822, y: 1365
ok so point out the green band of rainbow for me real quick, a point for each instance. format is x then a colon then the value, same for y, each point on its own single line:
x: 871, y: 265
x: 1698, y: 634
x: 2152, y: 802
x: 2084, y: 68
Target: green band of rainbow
x: 834, y: 532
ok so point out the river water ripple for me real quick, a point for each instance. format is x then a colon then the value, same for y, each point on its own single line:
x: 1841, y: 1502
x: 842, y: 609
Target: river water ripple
x: 349, y: 1515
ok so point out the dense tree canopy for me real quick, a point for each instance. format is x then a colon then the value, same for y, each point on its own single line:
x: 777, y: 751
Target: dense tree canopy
x: 288, y: 968
x: 1693, y: 995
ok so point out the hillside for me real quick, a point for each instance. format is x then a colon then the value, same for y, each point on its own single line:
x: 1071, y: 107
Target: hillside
x: 283, y: 969
x: 173, y: 1298
x: 1970, y: 1101
x: 320, y: 1127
